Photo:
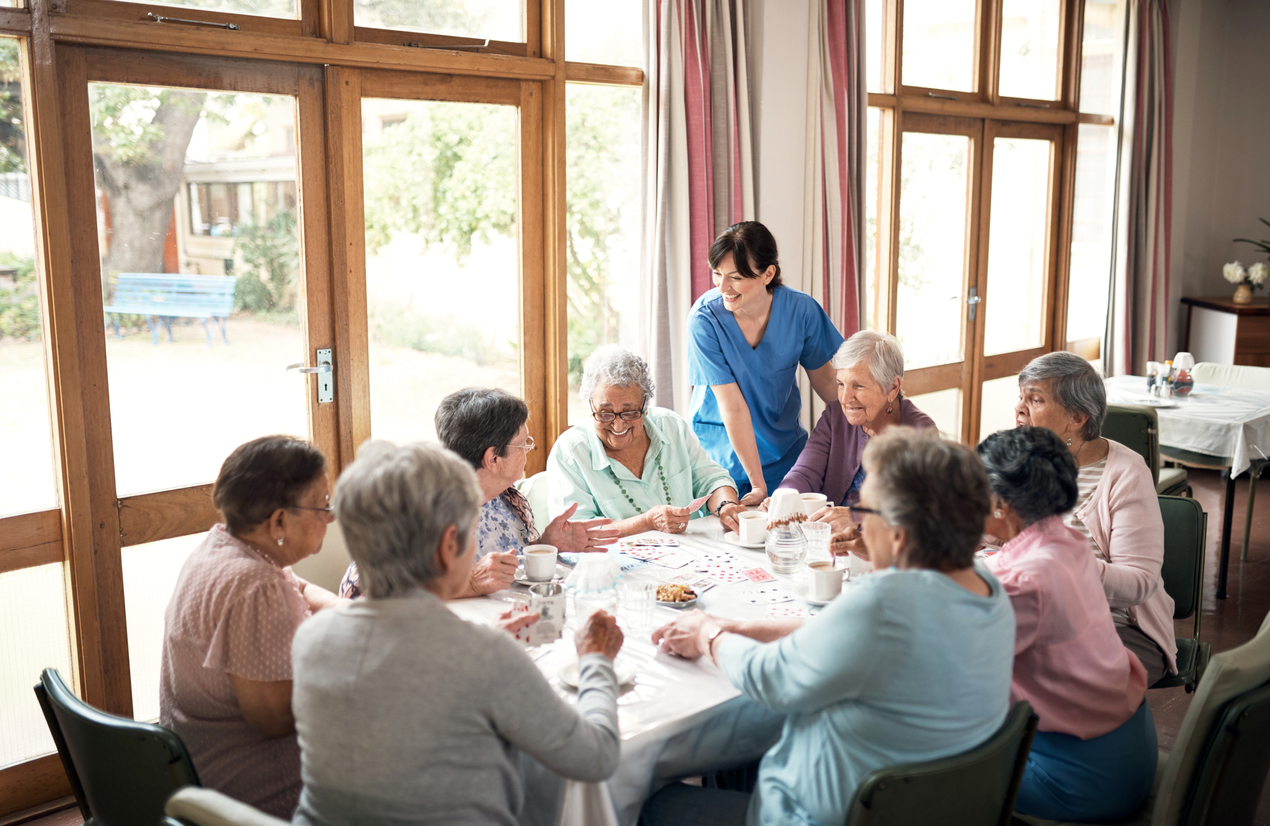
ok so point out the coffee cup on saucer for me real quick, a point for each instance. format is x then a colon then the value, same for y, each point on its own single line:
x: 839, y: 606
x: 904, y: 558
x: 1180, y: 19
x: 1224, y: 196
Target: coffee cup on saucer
x: 539, y: 562
x: 813, y: 502
x: 751, y: 527
x: 826, y: 580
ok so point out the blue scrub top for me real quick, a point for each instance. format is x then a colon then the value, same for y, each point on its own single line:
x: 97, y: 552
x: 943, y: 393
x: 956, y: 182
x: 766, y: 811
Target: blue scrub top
x: 798, y: 332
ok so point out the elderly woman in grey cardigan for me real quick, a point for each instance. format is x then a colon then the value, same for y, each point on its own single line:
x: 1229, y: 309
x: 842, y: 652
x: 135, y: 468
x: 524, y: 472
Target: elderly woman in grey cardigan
x: 407, y: 714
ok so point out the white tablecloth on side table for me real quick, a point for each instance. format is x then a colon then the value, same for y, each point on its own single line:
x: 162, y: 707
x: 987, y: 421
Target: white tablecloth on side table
x: 1225, y: 422
x: 679, y: 716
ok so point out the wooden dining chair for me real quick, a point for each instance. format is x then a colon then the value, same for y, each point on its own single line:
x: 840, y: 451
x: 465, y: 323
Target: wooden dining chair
x: 975, y: 788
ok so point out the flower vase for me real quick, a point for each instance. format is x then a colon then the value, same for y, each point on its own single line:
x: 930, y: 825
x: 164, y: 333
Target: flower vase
x: 1243, y: 294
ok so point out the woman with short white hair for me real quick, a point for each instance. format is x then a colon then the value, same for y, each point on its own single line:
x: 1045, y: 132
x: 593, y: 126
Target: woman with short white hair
x: 434, y: 709
x: 640, y: 466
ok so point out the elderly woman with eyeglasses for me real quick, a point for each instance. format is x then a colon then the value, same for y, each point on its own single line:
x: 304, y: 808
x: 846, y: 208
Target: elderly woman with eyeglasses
x: 488, y: 428
x: 640, y: 466
x: 1116, y: 510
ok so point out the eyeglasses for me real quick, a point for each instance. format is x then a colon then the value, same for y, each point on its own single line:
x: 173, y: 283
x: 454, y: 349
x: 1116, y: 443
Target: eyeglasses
x: 527, y: 446
x: 607, y: 416
x: 857, y: 512
x: 328, y: 509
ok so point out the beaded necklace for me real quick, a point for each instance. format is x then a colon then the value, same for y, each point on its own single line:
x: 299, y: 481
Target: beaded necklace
x: 665, y: 487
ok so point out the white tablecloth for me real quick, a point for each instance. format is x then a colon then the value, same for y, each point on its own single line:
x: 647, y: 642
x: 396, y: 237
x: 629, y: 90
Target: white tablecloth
x: 679, y: 716
x: 1227, y: 422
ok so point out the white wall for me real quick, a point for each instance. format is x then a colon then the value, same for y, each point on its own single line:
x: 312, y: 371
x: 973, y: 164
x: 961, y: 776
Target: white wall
x: 1221, y: 141
x: 778, y: 31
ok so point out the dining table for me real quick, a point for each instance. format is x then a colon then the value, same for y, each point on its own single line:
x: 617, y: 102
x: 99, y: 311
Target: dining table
x: 1225, y: 428
x: 677, y: 717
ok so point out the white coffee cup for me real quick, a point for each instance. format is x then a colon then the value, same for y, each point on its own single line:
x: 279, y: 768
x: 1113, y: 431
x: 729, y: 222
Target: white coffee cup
x: 752, y: 527
x: 826, y: 580
x: 539, y: 562
x: 813, y: 502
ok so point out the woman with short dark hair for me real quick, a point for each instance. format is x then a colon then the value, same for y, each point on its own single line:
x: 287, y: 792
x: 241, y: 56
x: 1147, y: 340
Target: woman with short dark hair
x: 910, y: 664
x: 746, y: 339
x: 1116, y: 509
x: 225, y: 674
x: 1094, y: 754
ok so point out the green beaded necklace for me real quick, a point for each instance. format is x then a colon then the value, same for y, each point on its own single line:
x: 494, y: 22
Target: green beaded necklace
x: 665, y: 487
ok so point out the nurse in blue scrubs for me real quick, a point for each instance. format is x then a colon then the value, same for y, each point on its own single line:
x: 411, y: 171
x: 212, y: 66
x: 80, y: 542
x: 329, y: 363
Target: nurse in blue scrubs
x: 746, y: 339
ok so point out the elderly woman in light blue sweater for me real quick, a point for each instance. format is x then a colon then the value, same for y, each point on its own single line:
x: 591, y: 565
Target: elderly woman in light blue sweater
x: 407, y: 714
x: 913, y: 663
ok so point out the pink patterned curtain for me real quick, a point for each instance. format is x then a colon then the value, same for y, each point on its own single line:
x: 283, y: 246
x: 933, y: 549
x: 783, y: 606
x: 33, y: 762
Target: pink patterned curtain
x: 1137, y: 324
x: 699, y: 168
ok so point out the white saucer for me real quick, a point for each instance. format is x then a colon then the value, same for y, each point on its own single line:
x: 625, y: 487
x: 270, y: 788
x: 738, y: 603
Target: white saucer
x: 681, y: 605
x: 520, y: 577
x: 803, y: 590
x: 569, y: 674
x: 735, y: 539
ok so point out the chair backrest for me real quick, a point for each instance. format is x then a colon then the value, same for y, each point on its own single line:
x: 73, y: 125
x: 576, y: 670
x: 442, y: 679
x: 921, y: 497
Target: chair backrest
x: 1234, y: 767
x: 975, y: 788
x: 1185, y: 532
x: 193, y: 806
x: 1230, y: 675
x: 1232, y: 375
x: 534, y: 489
x: 122, y: 771
x: 1135, y: 426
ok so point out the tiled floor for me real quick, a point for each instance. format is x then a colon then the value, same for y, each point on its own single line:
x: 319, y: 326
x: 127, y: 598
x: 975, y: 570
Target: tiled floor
x: 1226, y: 623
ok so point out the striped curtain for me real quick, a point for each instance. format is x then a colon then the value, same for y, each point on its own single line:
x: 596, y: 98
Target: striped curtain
x: 1137, y: 321
x: 699, y: 169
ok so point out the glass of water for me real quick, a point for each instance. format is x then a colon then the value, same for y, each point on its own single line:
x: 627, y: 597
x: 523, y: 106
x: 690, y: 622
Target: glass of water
x: 638, y: 599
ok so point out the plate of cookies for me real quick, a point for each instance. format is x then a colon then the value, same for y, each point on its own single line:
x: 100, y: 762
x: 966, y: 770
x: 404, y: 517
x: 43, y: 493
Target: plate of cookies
x: 675, y: 595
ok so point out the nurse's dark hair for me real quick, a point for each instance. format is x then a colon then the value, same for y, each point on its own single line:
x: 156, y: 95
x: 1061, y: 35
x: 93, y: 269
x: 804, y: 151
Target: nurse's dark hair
x: 263, y: 475
x: 1031, y: 470
x: 933, y: 488
x: 753, y: 250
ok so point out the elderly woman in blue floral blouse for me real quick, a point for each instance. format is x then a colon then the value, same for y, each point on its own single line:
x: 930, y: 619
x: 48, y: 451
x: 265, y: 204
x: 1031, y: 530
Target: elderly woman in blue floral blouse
x: 487, y: 427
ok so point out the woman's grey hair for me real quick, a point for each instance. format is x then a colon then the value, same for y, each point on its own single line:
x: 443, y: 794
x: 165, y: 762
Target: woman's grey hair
x: 1076, y: 386
x: 881, y: 350
x: 934, y: 489
x: 1031, y: 470
x: 394, y: 504
x: 617, y: 367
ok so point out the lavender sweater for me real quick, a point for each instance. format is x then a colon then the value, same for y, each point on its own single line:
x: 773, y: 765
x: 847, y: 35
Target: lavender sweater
x: 831, y: 457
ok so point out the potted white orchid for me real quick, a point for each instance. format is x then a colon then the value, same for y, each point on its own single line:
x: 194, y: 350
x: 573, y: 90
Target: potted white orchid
x: 1254, y: 277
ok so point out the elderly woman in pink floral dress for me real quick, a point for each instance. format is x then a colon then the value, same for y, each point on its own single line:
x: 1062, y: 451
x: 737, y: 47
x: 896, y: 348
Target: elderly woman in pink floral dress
x: 225, y: 678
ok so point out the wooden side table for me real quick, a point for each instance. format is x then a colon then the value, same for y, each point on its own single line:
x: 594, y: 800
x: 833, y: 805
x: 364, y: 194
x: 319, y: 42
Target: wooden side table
x: 1223, y: 332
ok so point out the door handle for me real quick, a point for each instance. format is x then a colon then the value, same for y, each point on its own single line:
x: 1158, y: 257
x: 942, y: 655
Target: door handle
x: 325, y: 371
x: 973, y: 303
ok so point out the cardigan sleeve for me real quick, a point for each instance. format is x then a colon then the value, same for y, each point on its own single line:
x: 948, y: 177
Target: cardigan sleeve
x: 808, y: 473
x: 1134, y: 533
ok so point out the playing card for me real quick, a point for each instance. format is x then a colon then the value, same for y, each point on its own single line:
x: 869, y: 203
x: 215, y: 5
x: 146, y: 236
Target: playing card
x: 765, y: 595
x: 757, y: 575
x: 696, y: 504
x: 650, y: 542
x: 725, y: 575
x: 787, y: 612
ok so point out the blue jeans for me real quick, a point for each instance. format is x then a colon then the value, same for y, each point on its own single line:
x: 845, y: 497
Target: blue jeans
x: 1104, y: 778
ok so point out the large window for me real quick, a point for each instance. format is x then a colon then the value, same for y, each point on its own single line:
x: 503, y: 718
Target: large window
x: 990, y: 191
x: 401, y: 198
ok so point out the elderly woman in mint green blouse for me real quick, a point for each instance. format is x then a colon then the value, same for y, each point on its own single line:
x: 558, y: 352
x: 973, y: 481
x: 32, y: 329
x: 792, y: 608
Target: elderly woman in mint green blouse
x: 640, y: 466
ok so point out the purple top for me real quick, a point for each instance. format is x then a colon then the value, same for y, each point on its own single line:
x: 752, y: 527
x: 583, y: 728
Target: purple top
x: 831, y: 457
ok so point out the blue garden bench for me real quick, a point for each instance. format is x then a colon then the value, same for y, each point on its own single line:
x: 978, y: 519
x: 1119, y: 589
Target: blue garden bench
x: 165, y: 297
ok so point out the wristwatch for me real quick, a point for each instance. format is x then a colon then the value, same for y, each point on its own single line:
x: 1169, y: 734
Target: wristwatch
x: 719, y: 510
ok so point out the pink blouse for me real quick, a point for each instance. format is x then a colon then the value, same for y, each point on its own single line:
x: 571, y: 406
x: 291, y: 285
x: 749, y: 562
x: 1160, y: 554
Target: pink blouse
x: 1069, y: 663
x: 233, y: 611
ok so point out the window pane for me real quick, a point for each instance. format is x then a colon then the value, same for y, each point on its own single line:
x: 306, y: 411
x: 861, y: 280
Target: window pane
x: 33, y: 636
x: 876, y: 232
x: 939, y: 44
x: 266, y: 8
x: 26, y: 436
x: 999, y: 398
x: 935, y: 178
x: 149, y: 576
x: 875, y: 12
x: 440, y: 189
x: 187, y: 384
x: 944, y: 406
x: 609, y: 32
x: 495, y: 19
x: 1030, y: 48
x: 603, y: 173
x: 1092, y: 228
x: 1102, y: 56
x: 1017, y: 245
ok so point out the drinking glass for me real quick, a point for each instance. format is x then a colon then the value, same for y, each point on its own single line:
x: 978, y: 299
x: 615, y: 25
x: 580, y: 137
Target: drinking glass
x: 817, y: 535
x: 638, y: 599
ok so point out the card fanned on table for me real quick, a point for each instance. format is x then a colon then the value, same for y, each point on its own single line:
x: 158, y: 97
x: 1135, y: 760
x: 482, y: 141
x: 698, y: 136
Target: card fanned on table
x: 665, y: 557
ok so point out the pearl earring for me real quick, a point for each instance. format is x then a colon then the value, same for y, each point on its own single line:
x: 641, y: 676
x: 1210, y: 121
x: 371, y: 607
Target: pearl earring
x: 997, y: 514
x: 279, y: 542
x: 1069, y: 441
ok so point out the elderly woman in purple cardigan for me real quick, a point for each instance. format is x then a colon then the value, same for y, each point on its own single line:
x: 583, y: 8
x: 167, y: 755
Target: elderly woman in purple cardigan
x: 870, y: 367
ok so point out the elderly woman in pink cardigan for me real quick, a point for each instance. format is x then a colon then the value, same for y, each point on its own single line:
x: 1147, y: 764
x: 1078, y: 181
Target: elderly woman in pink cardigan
x: 1116, y: 510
